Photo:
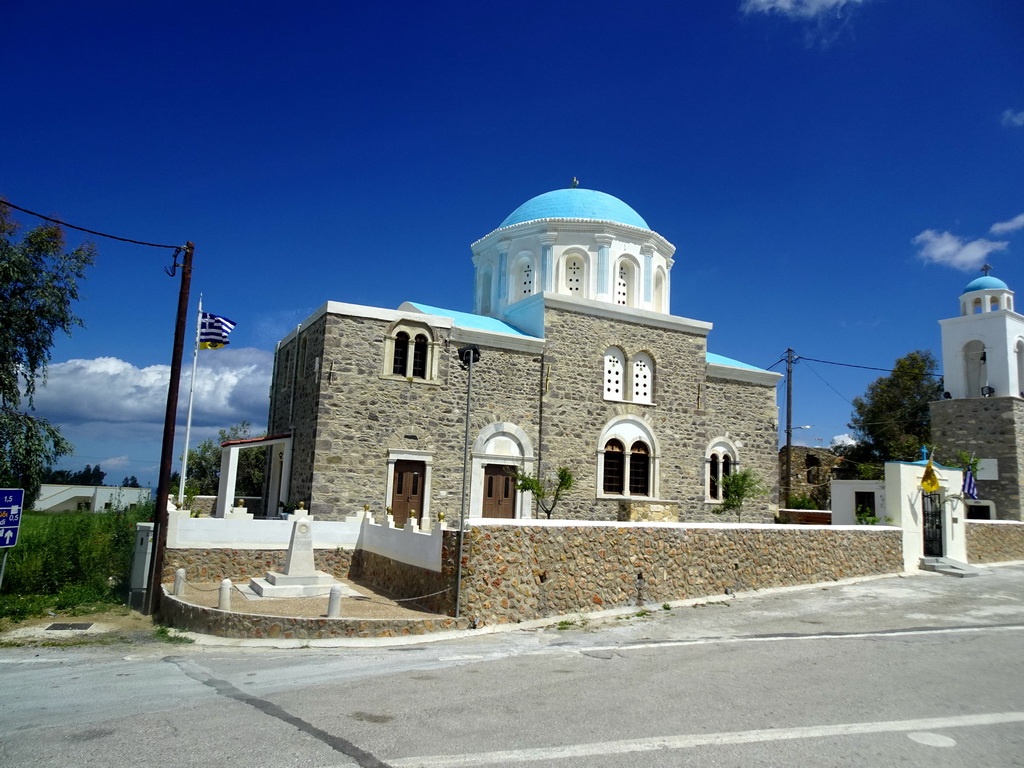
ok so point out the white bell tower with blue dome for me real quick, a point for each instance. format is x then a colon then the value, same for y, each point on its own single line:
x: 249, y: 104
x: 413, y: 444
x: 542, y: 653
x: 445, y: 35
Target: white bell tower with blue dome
x: 983, y: 348
x: 982, y: 413
x: 578, y: 243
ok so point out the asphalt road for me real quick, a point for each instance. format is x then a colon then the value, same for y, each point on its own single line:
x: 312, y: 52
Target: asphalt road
x: 925, y: 670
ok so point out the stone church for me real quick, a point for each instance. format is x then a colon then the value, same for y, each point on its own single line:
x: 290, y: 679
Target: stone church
x: 571, y: 358
x: 982, y: 412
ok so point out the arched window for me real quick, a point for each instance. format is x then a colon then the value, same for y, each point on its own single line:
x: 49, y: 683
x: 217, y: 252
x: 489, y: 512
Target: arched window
x: 974, y: 367
x: 660, y: 297
x: 976, y: 307
x: 419, y: 357
x: 614, y: 467
x: 1019, y: 349
x: 643, y: 378
x: 614, y: 372
x: 625, y: 283
x: 720, y: 462
x: 401, y: 354
x: 409, y: 352
x: 626, y: 471
x: 522, y: 281
x: 639, y: 469
x: 575, y: 275
x: 485, y: 293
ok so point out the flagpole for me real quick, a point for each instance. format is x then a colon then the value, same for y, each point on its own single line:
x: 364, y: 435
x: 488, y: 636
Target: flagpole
x: 191, y: 392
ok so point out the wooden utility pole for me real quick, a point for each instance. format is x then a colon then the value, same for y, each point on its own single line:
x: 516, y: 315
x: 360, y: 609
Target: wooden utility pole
x: 151, y: 604
x: 789, y: 426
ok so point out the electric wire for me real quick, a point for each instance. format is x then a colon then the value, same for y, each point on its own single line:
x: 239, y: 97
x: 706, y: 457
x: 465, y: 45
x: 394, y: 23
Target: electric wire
x: 90, y: 231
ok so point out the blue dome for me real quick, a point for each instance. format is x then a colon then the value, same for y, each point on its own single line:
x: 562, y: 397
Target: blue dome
x: 986, y: 283
x: 575, y: 204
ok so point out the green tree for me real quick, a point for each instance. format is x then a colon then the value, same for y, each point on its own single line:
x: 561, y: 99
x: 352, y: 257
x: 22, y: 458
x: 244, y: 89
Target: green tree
x: 130, y: 482
x: 38, y: 283
x: 891, y: 421
x: 547, y: 493
x: 740, y: 487
x: 204, y: 464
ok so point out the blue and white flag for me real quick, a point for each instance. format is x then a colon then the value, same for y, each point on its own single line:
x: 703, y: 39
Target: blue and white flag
x: 214, y: 330
x: 970, y: 489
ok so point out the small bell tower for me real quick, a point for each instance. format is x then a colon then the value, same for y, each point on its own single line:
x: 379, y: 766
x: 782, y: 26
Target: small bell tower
x: 983, y: 348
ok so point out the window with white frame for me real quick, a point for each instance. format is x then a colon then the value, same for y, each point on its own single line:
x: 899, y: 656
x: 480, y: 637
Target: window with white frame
x: 626, y: 459
x: 522, y: 280
x: 614, y: 372
x: 575, y: 275
x: 625, y: 283
x: 643, y: 378
x: 720, y: 462
x: 639, y: 387
x: 409, y: 353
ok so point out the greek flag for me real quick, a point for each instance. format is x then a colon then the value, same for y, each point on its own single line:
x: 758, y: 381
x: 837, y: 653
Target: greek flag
x: 214, y: 330
x: 970, y: 489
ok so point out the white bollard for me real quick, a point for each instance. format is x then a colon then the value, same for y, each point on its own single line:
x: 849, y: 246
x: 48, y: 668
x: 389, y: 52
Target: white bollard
x: 224, y: 599
x: 179, y: 582
x: 334, y: 603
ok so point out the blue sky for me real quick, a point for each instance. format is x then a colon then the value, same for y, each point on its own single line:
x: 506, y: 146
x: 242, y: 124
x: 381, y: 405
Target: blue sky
x: 830, y: 172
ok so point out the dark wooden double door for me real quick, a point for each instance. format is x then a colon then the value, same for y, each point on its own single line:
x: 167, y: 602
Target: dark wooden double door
x: 499, y: 491
x: 407, y: 491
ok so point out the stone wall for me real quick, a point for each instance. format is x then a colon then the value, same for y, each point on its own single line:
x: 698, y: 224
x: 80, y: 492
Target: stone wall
x: 209, y: 565
x: 535, y: 569
x: 994, y: 542
x: 348, y: 413
x: 524, y: 571
x: 211, y: 621
x: 988, y: 428
x: 687, y: 413
x: 810, y: 474
x: 427, y: 589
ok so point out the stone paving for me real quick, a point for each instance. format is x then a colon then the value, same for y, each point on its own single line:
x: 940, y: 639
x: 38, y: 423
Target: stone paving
x: 367, y: 604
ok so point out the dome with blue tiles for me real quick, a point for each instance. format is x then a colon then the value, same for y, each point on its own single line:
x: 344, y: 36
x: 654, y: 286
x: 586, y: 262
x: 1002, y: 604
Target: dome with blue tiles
x: 576, y: 204
x: 986, y: 283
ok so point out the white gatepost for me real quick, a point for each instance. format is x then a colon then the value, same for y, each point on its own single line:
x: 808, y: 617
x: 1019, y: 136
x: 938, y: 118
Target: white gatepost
x: 228, y: 475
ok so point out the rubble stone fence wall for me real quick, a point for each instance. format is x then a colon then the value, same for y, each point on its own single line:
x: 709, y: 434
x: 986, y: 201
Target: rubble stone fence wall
x: 517, y: 570
x: 533, y: 569
x: 994, y: 541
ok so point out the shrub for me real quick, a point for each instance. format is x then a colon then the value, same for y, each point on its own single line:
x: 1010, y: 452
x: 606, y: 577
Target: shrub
x: 63, y: 560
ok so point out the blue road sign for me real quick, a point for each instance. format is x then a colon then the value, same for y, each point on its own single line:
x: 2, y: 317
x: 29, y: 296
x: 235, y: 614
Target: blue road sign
x: 11, y: 500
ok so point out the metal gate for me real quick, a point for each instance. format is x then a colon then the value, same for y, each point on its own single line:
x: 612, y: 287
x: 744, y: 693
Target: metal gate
x: 931, y: 506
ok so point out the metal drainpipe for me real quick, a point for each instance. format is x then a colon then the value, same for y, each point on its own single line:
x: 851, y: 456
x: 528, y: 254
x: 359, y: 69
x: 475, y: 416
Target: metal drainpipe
x: 465, y: 478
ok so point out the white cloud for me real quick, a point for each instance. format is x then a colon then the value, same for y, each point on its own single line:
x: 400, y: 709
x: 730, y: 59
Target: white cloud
x: 231, y: 385
x: 952, y: 251
x: 844, y: 439
x: 799, y: 9
x: 1013, y: 119
x: 1002, y: 227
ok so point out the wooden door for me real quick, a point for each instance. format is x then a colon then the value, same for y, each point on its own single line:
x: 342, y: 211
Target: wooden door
x: 407, y: 491
x: 499, y: 491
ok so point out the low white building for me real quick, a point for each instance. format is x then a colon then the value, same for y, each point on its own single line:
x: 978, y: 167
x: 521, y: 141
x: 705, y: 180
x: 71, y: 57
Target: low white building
x: 88, y: 498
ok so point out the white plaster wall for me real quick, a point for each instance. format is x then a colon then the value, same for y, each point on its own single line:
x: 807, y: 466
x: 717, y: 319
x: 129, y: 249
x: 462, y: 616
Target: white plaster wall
x: 844, y: 507
x: 65, y: 498
x: 406, y: 545
x: 185, y: 532
x: 903, y: 505
x: 999, y: 332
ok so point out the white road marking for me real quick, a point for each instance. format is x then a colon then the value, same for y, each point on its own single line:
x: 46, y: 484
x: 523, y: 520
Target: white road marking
x: 576, y: 751
x: 784, y: 638
x: 932, y: 739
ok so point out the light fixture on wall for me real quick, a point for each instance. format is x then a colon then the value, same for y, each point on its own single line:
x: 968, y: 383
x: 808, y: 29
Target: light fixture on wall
x: 987, y: 391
